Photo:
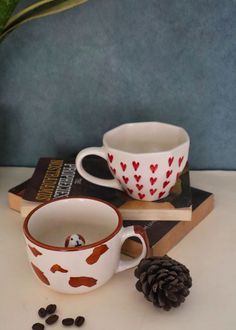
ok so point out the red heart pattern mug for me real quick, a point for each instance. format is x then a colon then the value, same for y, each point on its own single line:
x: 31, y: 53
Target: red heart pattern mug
x: 145, y: 158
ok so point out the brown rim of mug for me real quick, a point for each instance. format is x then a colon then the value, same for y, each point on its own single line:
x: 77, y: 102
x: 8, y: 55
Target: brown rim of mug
x: 60, y: 248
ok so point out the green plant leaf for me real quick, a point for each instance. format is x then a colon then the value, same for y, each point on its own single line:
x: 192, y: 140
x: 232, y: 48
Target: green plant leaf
x: 27, y: 10
x: 37, y: 10
x: 6, y: 9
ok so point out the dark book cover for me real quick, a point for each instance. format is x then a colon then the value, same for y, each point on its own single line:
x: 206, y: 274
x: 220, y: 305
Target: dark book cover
x: 163, y: 235
x: 19, y: 189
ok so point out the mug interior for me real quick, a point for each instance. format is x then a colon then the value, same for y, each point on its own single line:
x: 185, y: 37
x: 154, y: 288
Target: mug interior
x: 145, y: 137
x: 50, y: 224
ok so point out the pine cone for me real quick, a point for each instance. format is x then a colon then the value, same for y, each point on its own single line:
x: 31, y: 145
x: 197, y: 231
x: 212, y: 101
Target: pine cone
x: 164, y: 281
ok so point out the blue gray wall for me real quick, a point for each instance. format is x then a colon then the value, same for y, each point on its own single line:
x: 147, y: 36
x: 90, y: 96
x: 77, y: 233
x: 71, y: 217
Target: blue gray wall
x: 68, y: 78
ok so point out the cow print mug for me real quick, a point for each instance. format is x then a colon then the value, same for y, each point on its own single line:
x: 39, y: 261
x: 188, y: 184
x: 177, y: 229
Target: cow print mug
x: 96, y: 232
x: 145, y: 158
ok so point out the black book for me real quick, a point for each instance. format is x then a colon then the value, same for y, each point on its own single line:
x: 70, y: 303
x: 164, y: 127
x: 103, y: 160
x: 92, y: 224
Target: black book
x: 164, y: 235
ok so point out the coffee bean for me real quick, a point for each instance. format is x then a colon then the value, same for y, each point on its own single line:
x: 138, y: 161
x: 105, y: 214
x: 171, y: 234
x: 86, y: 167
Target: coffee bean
x: 79, y: 321
x: 38, y: 326
x: 68, y: 321
x: 50, y: 309
x: 42, y: 312
x: 52, y: 319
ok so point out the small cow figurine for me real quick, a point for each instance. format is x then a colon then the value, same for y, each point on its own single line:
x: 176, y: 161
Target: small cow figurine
x: 74, y: 240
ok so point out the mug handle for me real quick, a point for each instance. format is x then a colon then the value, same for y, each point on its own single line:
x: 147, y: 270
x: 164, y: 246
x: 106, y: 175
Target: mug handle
x: 98, y: 151
x: 140, y: 233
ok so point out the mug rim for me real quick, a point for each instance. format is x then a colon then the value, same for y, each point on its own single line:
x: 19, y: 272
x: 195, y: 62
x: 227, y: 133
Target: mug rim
x: 67, y: 249
x: 148, y: 153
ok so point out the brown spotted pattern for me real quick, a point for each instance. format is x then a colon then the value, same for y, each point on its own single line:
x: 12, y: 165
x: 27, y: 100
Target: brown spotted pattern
x: 40, y: 274
x: 35, y: 251
x: 76, y: 282
x: 96, y: 254
x: 57, y: 268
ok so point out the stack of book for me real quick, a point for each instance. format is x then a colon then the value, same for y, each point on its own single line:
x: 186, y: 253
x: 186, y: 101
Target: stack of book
x: 166, y: 221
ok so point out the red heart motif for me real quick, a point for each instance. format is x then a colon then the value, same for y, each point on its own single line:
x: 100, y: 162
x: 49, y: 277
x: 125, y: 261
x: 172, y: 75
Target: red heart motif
x: 170, y: 160
x: 130, y: 190
x: 180, y: 160
x: 141, y: 196
x: 135, y: 165
x: 139, y: 186
x: 125, y: 179
x: 153, y: 180
x: 165, y: 183
x: 113, y: 170
x: 123, y: 166
x: 168, y: 173
x: 110, y: 157
x: 152, y: 191
x: 161, y: 194
x: 153, y: 167
x: 137, y: 177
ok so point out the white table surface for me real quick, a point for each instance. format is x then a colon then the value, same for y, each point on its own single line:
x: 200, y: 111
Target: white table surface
x: 209, y: 251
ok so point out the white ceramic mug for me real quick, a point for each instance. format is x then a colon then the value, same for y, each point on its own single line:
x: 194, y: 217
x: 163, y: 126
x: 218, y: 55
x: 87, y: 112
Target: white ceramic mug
x: 145, y: 158
x: 85, y: 268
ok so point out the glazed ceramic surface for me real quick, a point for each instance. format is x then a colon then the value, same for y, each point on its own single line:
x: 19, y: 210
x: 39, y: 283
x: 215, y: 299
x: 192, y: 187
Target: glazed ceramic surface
x: 144, y: 158
x: 83, y: 268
